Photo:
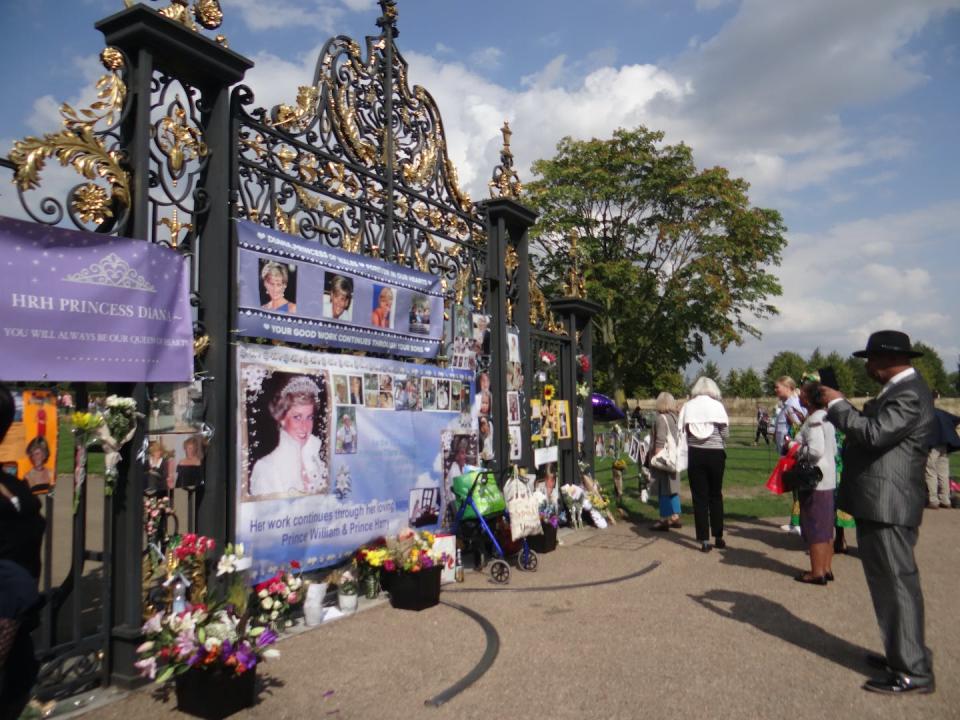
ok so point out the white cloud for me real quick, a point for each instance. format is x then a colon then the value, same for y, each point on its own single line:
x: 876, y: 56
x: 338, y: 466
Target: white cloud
x: 487, y: 58
x: 319, y: 14
x: 862, y: 276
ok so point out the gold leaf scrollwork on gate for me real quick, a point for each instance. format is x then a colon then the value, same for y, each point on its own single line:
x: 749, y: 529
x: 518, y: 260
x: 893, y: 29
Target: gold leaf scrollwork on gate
x: 298, y: 117
x: 346, y: 115
x: 179, y: 142
x: 78, y: 145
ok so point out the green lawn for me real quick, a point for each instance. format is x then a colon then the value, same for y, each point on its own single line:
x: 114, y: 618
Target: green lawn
x: 745, y: 494
x: 65, y: 451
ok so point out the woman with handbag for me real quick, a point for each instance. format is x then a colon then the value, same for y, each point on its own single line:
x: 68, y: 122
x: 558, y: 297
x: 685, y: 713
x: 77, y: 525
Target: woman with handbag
x: 816, y: 447
x: 704, y: 430
x: 664, y: 481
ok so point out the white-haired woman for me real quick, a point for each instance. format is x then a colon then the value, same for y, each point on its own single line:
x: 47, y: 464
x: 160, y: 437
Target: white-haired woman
x: 665, y: 484
x: 295, y: 465
x: 705, y: 427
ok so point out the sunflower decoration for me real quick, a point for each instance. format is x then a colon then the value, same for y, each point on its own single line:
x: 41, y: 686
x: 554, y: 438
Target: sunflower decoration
x: 548, y: 392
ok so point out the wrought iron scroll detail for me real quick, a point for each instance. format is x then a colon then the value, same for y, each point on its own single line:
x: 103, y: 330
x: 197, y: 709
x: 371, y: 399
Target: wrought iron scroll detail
x: 90, y: 144
x: 178, y: 156
x: 322, y: 167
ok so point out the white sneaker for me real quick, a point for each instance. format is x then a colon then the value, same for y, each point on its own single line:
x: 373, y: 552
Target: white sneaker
x: 787, y: 528
x: 796, y: 530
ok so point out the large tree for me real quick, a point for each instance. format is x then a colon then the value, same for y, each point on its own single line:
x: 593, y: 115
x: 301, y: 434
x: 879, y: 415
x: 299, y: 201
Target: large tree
x: 676, y: 256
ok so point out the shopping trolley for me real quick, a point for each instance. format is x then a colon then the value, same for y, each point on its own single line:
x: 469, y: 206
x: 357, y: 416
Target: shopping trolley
x: 474, y: 530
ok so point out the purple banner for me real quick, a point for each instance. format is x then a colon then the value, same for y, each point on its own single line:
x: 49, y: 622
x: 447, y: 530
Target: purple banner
x: 83, y: 306
x: 294, y: 289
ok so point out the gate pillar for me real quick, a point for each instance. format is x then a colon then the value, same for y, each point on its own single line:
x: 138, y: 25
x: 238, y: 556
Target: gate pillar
x: 156, y: 44
x: 507, y: 277
x: 576, y: 315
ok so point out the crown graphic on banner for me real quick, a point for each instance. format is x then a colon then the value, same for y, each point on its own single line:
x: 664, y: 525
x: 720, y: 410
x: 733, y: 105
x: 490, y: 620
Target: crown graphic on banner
x: 112, y: 271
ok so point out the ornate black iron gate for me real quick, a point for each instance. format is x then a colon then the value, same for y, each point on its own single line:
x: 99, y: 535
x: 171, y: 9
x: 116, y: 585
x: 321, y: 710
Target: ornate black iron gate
x: 358, y: 161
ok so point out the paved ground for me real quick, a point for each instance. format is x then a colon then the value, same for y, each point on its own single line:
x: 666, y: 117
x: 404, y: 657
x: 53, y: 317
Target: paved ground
x: 728, y: 634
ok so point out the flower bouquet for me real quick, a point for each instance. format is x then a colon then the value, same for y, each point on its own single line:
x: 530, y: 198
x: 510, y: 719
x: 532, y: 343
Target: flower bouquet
x: 209, y: 647
x: 370, y: 561
x: 278, y: 596
x: 411, y: 570
x: 549, y: 521
x: 118, y: 427
x: 85, y: 426
x: 346, y: 583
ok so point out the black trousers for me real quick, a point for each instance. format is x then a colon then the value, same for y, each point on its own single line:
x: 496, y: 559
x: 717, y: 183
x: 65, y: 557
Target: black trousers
x: 705, y: 472
x: 894, y: 582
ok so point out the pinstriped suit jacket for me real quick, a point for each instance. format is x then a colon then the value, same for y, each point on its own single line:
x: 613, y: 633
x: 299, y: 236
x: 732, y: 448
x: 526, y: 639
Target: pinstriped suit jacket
x: 885, y: 453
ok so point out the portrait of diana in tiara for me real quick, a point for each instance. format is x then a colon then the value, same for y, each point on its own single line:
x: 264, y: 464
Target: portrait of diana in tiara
x: 297, y: 465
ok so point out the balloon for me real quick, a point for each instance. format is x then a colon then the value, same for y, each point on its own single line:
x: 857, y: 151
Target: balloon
x: 605, y: 409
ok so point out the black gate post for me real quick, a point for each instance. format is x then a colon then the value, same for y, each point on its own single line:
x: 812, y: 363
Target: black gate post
x: 576, y: 314
x: 154, y: 43
x: 507, y: 224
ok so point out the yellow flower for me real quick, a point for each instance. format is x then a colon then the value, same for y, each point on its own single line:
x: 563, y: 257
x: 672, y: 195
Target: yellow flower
x: 548, y: 392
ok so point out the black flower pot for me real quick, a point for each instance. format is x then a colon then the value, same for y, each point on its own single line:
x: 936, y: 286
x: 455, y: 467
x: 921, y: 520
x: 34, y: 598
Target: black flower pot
x: 414, y: 591
x: 544, y: 543
x: 215, y: 694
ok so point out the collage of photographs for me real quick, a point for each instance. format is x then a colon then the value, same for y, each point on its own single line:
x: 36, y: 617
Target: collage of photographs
x: 279, y: 294
x: 175, y: 444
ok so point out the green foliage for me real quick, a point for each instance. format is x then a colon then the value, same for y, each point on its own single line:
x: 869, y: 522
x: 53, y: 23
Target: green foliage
x: 675, y: 256
x: 711, y: 370
x: 930, y: 366
x: 783, y: 363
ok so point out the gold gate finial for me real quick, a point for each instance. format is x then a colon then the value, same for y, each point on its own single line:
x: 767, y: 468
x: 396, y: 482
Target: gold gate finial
x: 505, y: 183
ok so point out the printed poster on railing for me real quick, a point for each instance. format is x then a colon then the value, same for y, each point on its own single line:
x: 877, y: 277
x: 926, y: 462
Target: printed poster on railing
x: 337, y: 450
x: 86, y: 306
x: 303, y: 291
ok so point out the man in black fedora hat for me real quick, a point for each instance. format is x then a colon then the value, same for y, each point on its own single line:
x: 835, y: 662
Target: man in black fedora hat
x: 883, y: 487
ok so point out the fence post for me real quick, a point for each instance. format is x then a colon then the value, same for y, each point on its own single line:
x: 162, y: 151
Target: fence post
x: 576, y: 314
x: 154, y: 43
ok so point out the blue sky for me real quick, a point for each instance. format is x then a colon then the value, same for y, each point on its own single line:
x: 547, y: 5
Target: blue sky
x: 842, y: 115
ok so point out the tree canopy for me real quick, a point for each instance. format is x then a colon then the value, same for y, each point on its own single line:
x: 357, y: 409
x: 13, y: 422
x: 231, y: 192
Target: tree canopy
x: 676, y: 256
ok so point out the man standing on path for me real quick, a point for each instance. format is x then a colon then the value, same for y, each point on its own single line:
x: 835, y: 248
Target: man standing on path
x: 883, y: 488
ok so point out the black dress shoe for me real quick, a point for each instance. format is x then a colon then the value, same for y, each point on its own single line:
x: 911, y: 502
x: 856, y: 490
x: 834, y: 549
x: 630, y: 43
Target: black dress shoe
x: 878, y: 662
x: 829, y: 577
x: 720, y: 544
x: 705, y: 547
x: 811, y: 580
x: 898, y: 685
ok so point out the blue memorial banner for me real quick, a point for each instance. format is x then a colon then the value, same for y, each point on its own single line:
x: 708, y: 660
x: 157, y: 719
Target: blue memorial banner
x: 337, y: 450
x: 84, y: 306
x: 294, y: 289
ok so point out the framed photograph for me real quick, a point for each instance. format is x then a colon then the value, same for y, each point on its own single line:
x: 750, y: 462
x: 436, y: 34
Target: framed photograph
x: 535, y: 425
x: 346, y: 432
x: 513, y: 347
x: 384, y: 300
x: 278, y: 286
x: 481, y: 333
x: 175, y: 407
x: 174, y: 461
x: 286, y: 456
x: 356, y: 390
x: 337, y: 297
x: 516, y: 443
x: 420, y: 315
x: 341, y: 394
x: 513, y: 407
x: 428, y: 393
x: 535, y: 408
x: 563, y: 426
